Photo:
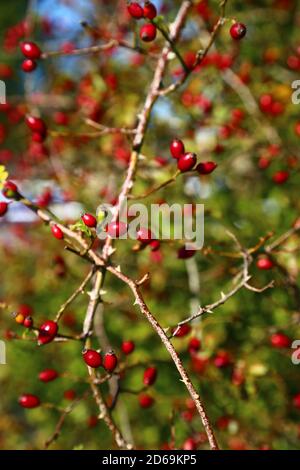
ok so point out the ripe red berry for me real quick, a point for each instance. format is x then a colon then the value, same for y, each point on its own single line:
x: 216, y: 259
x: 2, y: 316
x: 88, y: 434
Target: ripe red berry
x: 189, y: 444
x: 92, y: 358
x: 116, y: 229
x: 222, y: 359
x: 36, y: 124
x: 47, y: 332
x: 57, y: 232
x: 28, y: 65
x: 265, y: 263
x: 92, y: 421
x: 128, y: 347
x: 10, y: 190
x: 110, y: 361
x: 148, y: 32
x: 3, y: 208
x: 184, y: 253
x: 144, y: 235
x: 297, y: 128
x: 70, y: 395
x: 25, y: 309
x: 47, y: 375
x: 182, y: 331
x: 135, y: 10
x: 238, y: 31
x: 206, y: 168
x: 177, y: 148
x: 281, y: 177
x: 145, y: 400
x: 280, y: 341
x: 194, y: 345
x: 28, y: 322
x: 150, y: 11
x: 150, y: 376
x: 187, y: 162
x: 29, y: 401
x: 30, y: 50
x: 296, y: 401
x: 155, y: 245
x: 89, y: 220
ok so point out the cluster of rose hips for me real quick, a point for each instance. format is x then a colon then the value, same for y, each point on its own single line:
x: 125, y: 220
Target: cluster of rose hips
x: 32, y: 53
x: 38, y: 128
x: 94, y: 359
x: 186, y: 161
x: 148, y: 31
x: 89, y: 221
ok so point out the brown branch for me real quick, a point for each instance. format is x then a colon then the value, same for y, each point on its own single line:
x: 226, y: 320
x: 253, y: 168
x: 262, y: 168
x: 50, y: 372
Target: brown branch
x: 139, y: 300
x: 62, y: 419
x: 105, y: 415
x: 79, y: 290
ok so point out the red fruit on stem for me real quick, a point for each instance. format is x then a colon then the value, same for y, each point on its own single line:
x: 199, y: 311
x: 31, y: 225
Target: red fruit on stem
x: 30, y: 50
x: 36, y: 124
x: 206, y: 168
x: 29, y: 401
x: 280, y: 341
x: 265, y: 263
x: 3, y: 208
x: 135, y: 10
x: 296, y: 401
x: 47, y: 375
x: 187, y: 162
x: 28, y: 322
x: 116, y: 229
x: 10, y: 190
x: 47, y: 332
x: 57, y: 232
x: 281, y: 177
x: 177, y: 148
x: 150, y: 11
x: 92, y: 421
x: 128, y: 347
x: 70, y: 395
x: 155, y: 245
x: 110, y: 361
x: 29, y: 65
x: 222, y: 359
x: 89, y: 220
x: 148, y: 32
x: 145, y: 400
x: 92, y: 358
x: 297, y: 129
x: 150, y: 376
x: 144, y: 235
x: 189, y: 444
x: 238, y: 31
x: 182, y: 331
x: 184, y: 253
x: 194, y: 345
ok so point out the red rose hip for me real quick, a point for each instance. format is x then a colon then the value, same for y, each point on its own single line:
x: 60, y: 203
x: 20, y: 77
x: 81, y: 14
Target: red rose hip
x: 3, y: 208
x: 187, y: 162
x: 92, y: 358
x: 57, y: 232
x: 128, y: 347
x: 238, y: 31
x: 47, y: 332
x: 89, y: 220
x: 150, y: 11
x: 28, y: 65
x: 29, y: 401
x: 110, y: 362
x: 30, y: 50
x: 148, y: 32
x: 145, y: 400
x: 47, y: 375
x: 135, y: 10
x: 177, y: 148
x: 150, y: 376
x: 206, y: 168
